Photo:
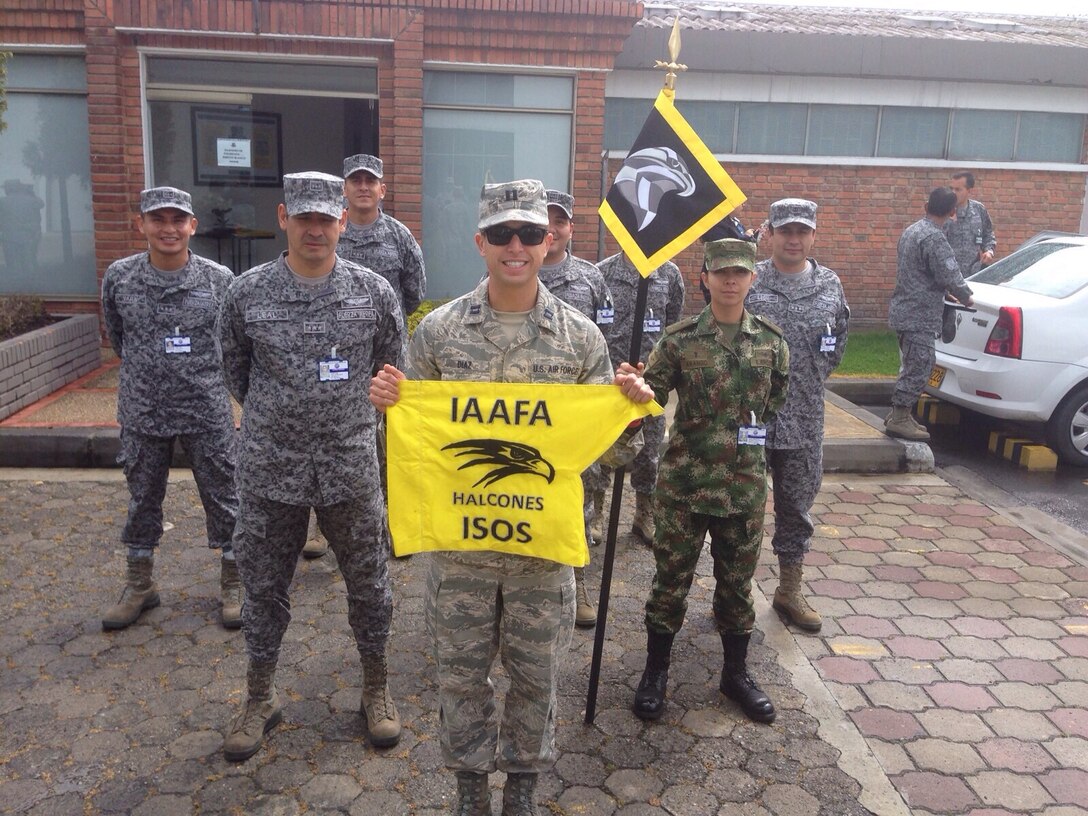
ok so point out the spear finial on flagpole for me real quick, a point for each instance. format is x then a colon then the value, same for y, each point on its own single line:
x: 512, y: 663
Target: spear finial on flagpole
x: 672, y: 66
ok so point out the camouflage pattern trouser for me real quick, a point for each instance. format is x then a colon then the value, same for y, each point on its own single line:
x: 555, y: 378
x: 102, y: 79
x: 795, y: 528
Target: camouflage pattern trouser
x: 797, y: 473
x: 678, y: 542
x: 916, y: 358
x: 474, y: 614
x: 380, y: 437
x: 146, y: 462
x: 643, y: 468
x: 268, y: 542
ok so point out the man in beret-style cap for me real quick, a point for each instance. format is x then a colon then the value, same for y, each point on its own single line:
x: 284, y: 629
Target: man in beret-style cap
x: 301, y: 338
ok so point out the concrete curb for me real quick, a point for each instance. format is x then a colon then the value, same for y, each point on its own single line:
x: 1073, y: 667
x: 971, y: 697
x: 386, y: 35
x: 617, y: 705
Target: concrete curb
x: 877, y: 455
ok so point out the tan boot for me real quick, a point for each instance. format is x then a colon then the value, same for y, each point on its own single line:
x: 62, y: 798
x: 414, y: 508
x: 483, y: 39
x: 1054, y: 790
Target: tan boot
x: 900, y: 425
x: 139, y: 595
x: 259, y: 715
x: 382, y: 722
x: 585, y: 617
x: 231, y: 594
x: 643, y: 525
x: 473, y: 794
x: 791, y: 603
x: 316, y: 547
x: 596, y: 521
x: 518, y: 795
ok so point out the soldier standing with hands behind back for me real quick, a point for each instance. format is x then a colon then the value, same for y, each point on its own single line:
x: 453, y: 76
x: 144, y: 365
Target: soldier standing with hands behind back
x: 301, y: 338
x: 160, y: 308
x: 807, y: 301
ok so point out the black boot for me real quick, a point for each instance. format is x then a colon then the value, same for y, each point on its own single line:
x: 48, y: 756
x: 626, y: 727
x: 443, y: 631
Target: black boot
x: 650, y: 696
x: 738, y: 685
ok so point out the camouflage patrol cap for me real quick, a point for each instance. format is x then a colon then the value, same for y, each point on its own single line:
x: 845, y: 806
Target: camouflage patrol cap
x: 793, y: 211
x: 522, y: 200
x: 730, y: 252
x: 363, y: 162
x: 564, y: 201
x: 313, y: 193
x: 162, y: 198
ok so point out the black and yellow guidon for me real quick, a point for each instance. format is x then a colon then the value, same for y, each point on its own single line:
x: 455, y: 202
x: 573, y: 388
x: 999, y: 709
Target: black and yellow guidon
x: 497, y: 466
x: 669, y: 192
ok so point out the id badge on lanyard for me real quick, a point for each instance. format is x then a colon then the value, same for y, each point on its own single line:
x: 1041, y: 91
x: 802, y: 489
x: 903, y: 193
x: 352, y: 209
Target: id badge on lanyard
x: 828, y: 342
x: 178, y: 343
x: 651, y: 324
x: 753, y: 433
x: 333, y: 368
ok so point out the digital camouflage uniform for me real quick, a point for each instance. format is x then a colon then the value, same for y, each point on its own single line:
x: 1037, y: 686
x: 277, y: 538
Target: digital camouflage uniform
x: 926, y: 268
x: 307, y: 443
x: 579, y: 283
x: 480, y: 604
x: 388, y: 248
x: 707, y: 480
x: 804, y: 306
x: 166, y: 396
x: 970, y: 233
x: 664, y: 306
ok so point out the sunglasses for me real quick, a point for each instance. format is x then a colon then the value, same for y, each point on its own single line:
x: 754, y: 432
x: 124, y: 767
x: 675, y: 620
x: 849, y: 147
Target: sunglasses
x: 529, y: 235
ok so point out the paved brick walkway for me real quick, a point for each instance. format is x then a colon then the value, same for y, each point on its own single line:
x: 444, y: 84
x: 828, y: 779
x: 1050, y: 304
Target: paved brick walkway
x: 956, y: 647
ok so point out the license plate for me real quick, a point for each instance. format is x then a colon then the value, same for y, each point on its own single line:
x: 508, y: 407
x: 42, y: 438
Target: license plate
x: 936, y: 376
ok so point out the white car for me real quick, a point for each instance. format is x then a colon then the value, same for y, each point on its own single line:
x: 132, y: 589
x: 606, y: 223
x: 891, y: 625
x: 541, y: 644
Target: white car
x: 1022, y: 352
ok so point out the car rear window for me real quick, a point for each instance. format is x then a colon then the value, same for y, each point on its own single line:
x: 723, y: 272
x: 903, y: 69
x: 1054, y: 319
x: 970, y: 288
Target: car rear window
x: 1055, y: 270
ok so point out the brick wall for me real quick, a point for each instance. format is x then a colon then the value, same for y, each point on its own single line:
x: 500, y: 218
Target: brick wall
x: 863, y: 211
x: 37, y: 363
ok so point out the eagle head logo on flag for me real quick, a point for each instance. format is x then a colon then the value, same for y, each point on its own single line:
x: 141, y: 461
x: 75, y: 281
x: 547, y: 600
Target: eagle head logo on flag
x: 669, y: 191
x: 497, y: 466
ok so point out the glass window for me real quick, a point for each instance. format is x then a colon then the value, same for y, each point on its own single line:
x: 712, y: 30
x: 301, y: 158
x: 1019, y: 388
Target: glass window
x: 842, y: 130
x: 46, y: 72
x: 713, y: 121
x: 466, y: 144
x: 983, y: 135
x: 1054, y: 269
x: 46, y: 224
x: 623, y: 119
x: 772, y: 128
x: 913, y: 133
x: 1056, y: 137
x: 479, y: 90
x: 244, y: 75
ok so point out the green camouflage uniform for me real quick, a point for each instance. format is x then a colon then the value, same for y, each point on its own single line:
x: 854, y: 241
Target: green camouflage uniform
x: 707, y: 481
x: 483, y: 604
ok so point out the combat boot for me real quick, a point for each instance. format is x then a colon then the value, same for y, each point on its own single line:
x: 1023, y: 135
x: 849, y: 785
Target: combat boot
x: 260, y: 714
x: 596, y: 521
x: 650, y: 696
x: 231, y: 594
x: 517, y: 795
x: 382, y: 722
x: 900, y: 425
x: 791, y: 603
x: 738, y: 685
x: 315, y: 547
x: 585, y: 615
x: 139, y: 595
x: 643, y: 525
x: 473, y: 795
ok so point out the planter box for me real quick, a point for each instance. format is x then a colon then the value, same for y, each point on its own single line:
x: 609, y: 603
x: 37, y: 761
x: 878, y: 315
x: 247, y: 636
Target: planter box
x: 37, y: 363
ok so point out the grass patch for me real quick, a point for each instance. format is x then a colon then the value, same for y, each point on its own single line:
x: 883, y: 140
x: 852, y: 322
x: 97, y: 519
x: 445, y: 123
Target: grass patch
x: 871, y: 353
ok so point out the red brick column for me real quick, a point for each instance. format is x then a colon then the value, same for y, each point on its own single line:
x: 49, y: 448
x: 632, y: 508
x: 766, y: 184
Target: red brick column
x: 401, y: 124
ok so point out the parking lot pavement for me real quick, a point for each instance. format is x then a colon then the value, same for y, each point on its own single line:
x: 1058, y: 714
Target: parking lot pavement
x: 952, y: 663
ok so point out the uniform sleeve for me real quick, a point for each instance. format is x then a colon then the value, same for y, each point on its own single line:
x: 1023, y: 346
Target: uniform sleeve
x: 674, y: 309
x: 420, y: 363
x: 235, y: 346
x: 598, y: 365
x: 941, y: 262
x: 780, y: 377
x: 841, y: 330
x: 112, y: 318
x: 389, y: 341
x: 989, y: 239
x: 413, y: 281
x: 662, y: 372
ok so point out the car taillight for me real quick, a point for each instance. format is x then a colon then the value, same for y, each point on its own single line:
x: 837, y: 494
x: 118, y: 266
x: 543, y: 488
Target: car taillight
x: 1007, y: 337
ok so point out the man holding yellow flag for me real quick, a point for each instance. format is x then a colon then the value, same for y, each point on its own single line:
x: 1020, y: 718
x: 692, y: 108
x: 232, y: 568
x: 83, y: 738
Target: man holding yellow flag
x: 490, y: 599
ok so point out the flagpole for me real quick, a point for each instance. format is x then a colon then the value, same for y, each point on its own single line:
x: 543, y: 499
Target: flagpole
x: 671, y: 67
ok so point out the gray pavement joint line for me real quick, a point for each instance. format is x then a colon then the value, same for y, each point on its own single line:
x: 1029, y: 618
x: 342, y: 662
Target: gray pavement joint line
x: 855, y: 757
x: 1060, y: 536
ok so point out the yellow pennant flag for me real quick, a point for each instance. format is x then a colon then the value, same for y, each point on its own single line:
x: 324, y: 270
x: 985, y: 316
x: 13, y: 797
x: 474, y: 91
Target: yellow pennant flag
x: 497, y: 466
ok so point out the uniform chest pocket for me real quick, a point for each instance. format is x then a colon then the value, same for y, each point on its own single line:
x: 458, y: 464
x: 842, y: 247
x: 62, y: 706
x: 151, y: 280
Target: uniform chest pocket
x: 382, y: 261
x: 701, y: 384
x: 280, y: 335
